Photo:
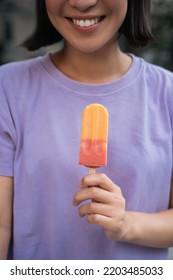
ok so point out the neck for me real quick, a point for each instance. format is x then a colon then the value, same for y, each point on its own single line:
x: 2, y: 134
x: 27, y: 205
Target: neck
x: 96, y: 67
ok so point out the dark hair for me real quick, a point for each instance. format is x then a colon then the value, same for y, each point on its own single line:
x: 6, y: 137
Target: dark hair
x: 136, y: 27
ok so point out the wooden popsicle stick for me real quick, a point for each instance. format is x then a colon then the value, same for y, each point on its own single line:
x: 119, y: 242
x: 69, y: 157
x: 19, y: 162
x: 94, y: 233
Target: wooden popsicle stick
x: 92, y: 170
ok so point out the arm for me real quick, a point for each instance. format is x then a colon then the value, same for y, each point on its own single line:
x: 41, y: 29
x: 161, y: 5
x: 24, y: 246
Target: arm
x: 107, y: 210
x: 155, y: 230
x: 6, y: 206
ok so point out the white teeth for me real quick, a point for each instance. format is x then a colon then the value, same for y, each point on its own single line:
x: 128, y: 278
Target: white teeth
x: 86, y: 23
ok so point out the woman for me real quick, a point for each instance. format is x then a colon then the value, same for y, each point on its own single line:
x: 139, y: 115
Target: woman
x: 128, y: 204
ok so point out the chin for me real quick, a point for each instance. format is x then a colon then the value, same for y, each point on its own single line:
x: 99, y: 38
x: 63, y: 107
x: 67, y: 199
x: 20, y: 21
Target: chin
x: 89, y: 48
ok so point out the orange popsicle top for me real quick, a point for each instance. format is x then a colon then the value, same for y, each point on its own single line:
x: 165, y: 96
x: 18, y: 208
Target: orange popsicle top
x: 94, y: 135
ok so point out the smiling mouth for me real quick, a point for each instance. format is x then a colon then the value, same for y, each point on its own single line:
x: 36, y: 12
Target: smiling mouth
x: 86, y: 22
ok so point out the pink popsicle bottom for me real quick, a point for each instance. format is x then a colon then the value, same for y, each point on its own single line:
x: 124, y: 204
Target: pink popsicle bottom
x: 93, y: 153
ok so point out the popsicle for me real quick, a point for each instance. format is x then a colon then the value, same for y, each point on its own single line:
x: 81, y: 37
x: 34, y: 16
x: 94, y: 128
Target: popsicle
x: 94, y: 137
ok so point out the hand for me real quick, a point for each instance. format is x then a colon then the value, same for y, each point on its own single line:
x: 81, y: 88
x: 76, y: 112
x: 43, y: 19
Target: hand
x: 107, y: 206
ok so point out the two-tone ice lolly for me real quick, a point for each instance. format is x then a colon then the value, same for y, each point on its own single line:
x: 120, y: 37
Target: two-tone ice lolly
x: 94, y: 137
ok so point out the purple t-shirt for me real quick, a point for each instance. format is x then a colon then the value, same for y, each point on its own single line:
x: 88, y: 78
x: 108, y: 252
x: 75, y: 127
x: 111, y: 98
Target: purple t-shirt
x: 40, y: 121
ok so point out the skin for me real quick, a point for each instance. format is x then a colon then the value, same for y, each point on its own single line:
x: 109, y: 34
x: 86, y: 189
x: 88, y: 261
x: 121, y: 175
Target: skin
x: 107, y: 33
x: 107, y: 210
x: 92, y: 57
x: 6, y: 205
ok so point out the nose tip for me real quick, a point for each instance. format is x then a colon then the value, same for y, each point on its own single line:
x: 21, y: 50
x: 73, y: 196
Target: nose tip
x: 82, y: 4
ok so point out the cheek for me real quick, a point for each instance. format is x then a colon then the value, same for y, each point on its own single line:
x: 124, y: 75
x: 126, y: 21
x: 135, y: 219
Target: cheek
x: 50, y: 5
x: 119, y: 8
x: 54, y: 7
x: 54, y: 11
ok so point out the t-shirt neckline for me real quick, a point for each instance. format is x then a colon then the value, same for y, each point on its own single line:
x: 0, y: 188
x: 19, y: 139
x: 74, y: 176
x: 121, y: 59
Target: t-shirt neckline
x: 92, y: 89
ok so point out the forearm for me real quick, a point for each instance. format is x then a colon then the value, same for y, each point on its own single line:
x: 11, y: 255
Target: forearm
x: 5, y: 236
x: 153, y: 230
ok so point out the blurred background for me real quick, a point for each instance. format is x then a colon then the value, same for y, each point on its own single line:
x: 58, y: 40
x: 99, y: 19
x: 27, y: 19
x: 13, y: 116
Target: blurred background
x: 17, y: 20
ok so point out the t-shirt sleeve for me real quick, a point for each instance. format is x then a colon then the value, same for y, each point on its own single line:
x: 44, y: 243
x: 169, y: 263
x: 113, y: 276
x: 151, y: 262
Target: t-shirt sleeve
x: 7, y: 138
x: 7, y: 149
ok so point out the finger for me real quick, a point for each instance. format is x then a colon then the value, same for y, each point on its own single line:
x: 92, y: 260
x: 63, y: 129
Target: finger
x: 113, y: 231
x: 96, y: 194
x: 95, y: 208
x: 101, y: 180
x: 99, y: 220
